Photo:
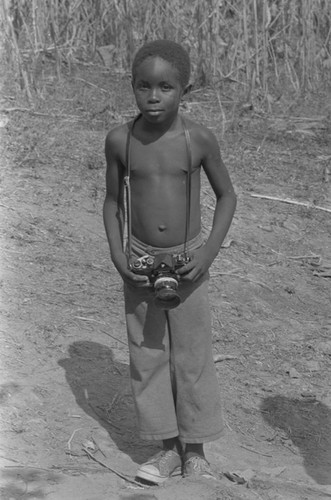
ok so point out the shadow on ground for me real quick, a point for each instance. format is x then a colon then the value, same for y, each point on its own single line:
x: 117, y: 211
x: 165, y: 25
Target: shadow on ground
x: 102, y: 389
x: 25, y: 482
x: 308, y: 425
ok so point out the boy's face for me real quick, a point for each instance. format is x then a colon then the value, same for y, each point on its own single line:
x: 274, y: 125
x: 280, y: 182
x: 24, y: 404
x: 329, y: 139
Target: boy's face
x: 157, y: 90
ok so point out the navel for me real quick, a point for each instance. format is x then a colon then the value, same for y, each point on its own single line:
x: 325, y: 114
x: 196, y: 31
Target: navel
x: 162, y: 227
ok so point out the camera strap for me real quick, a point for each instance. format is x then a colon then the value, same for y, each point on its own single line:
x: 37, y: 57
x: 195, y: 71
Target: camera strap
x: 128, y: 187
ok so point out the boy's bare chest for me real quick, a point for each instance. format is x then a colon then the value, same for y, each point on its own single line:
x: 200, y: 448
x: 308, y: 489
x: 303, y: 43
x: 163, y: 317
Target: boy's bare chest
x: 159, y: 159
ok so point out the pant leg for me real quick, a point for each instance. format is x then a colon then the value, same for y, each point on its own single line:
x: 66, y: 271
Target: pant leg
x: 198, y: 405
x: 173, y: 376
x: 150, y: 369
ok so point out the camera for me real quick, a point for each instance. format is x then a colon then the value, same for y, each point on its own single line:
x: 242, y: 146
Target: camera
x: 161, y: 270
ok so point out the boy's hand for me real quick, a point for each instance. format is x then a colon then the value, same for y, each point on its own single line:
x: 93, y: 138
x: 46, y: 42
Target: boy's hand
x: 128, y: 276
x: 199, y: 264
x: 136, y: 280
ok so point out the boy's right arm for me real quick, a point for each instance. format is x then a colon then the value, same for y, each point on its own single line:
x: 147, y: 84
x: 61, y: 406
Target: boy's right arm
x: 113, y: 208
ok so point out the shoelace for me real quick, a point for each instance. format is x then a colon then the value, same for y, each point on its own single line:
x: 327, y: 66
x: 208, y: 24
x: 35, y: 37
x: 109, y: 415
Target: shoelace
x: 200, y: 464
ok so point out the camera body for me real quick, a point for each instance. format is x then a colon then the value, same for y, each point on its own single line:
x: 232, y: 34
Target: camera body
x: 162, y: 270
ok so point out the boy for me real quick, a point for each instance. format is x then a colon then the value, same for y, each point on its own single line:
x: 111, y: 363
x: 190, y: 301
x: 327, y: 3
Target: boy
x: 159, y: 156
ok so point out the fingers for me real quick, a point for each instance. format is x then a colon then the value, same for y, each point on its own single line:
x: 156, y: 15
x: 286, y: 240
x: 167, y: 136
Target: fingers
x: 137, y: 280
x: 192, y: 276
x: 190, y: 272
x: 142, y: 283
x: 193, y: 270
x: 186, y: 268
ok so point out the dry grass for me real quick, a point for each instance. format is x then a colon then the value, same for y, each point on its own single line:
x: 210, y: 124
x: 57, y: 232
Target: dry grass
x: 256, y: 43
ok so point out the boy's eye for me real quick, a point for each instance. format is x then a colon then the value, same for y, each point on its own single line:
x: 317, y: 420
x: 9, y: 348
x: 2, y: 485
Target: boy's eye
x: 142, y: 86
x: 166, y: 86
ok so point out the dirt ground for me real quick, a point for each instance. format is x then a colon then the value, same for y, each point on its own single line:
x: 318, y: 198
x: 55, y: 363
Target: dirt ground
x: 66, y: 412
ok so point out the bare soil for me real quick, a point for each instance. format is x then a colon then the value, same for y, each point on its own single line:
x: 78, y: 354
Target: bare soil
x: 67, y: 422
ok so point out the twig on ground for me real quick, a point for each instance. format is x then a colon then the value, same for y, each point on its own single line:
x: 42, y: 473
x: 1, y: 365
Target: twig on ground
x: 210, y: 207
x: 98, y: 447
x: 303, y: 257
x: 71, y: 438
x: 67, y: 293
x: 11, y: 460
x: 307, y: 119
x: 104, y: 269
x: 114, y: 400
x: 221, y: 273
x: 228, y: 425
x: 83, y: 318
x: 294, y: 257
x: 10, y: 110
x: 119, y: 474
x: 5, y: 206
x: 24, y: 466
x: 74, y: 453
x: 291, y: 202
x: 255, y: 451
x: 258, y: 283
x: 223, y: 357
x: 104, y: 324
x: 244, y: 278
x: 288, y: 447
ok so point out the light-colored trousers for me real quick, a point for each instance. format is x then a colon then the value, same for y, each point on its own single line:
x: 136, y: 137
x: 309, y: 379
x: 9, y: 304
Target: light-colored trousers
x: 173, y: 377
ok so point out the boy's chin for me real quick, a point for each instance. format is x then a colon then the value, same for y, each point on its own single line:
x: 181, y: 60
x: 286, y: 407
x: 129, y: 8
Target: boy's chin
x: 154, y: 116
x: 158, y: 116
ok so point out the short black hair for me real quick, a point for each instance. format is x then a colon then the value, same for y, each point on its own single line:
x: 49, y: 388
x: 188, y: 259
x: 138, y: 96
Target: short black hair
x: 168, y: 50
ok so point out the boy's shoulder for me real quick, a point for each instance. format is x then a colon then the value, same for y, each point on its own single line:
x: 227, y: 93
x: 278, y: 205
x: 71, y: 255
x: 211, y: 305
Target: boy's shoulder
x: 199, y: 133
x: 116, y: 142
x: 118, y: 133
x: 117, y: 136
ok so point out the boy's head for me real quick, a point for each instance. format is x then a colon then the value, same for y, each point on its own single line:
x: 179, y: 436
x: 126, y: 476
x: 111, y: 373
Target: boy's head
x: 169, y: 51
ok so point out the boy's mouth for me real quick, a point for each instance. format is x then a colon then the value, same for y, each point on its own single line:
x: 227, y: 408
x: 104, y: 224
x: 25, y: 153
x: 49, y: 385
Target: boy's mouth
x: 154, y: 112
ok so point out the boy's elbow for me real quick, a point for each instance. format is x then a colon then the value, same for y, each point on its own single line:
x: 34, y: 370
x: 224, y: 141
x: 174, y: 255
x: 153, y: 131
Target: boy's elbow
x: 228, y: 201
x: 230, y: 197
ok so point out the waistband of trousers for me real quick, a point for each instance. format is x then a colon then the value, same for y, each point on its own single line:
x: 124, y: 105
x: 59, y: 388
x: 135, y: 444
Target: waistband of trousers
x: 140, y: 248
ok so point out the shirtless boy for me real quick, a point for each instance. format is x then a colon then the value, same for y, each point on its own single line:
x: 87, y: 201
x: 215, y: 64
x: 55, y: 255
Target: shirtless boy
x: 173, y: 378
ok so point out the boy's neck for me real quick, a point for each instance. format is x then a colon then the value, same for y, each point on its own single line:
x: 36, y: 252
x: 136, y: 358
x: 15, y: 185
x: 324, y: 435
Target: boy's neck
x: 156, y: 130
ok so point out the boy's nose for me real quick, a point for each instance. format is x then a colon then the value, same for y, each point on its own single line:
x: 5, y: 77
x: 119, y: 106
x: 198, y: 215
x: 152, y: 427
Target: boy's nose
x: 154, y: 95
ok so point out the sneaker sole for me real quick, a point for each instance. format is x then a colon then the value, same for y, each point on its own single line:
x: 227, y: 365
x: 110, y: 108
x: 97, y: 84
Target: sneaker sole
x: 152, y: 478
x: 197, y: 475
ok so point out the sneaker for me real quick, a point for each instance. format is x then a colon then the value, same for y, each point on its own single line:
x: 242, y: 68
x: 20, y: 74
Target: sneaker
x: 160, y: 467
x: 198, y: 466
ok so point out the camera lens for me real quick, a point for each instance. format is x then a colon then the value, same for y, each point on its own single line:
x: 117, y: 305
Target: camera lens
x: 166, y: 296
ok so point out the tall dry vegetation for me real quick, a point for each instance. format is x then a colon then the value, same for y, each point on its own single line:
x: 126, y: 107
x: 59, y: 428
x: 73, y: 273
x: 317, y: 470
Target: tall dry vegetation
x: 257, y: 43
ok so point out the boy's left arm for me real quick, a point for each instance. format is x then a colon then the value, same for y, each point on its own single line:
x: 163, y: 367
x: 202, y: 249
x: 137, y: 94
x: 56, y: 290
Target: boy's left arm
x: 226, y: 201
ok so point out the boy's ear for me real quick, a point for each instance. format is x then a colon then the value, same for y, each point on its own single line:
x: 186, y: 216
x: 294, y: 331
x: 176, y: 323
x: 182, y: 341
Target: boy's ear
x: 187, y: 89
